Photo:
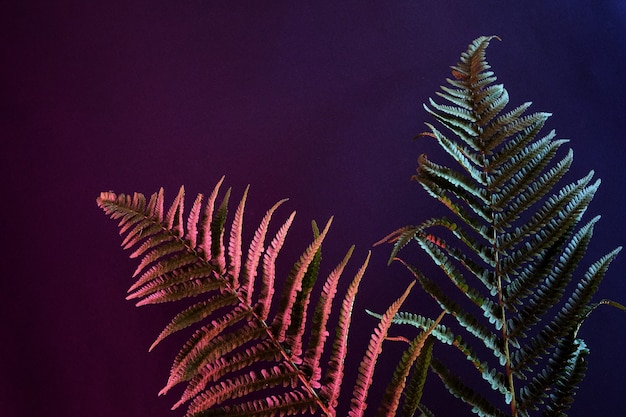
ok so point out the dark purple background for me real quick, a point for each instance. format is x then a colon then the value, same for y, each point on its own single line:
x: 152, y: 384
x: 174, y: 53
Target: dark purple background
x: 317, y: 102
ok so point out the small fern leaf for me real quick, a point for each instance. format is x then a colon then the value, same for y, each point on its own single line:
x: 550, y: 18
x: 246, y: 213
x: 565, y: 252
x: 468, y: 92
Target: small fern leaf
x: 275, y: 405
x: 293, y: 285
x: 205, y: 237
x: 192, y: 222
x: 235, y: 242
x: 479, y: 404
x: 416, y: 384
x: 296, y: 329
x: 217, y: 229
x: 400, y: 238
x: 319, y: 332
x: 561, y: 399
x: 269, y: 267
x: 196, y: 313
x: 334, y: 376
x: 264, y: 351
x: 391, y: 397
x: 366, y: 369
x: 174, y: 217
x: 255, y: 251
x: 243, y: 385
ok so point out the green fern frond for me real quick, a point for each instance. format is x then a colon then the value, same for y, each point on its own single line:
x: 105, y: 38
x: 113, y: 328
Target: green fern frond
x: 479, y: 404
x: 415, y: 387
x: 516, y: 245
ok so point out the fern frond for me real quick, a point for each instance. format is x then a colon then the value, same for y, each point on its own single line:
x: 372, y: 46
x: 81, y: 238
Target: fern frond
x: 196, y: 313
x: 415, y: 386
x: 269, y: 267
x: 334, y: 375
x: 264, y: 351
x: 391, y: 398
x: 235, y: 242
x: 293, y: 286
x: 562, y: 397
x: 243, y: 385
x: 366, y: 369
x: 249, y: 271
x: 511, y: 244
x: 555, y: 281
x: 319, y: 332
x: 479, y: 404
x: 235, y: 360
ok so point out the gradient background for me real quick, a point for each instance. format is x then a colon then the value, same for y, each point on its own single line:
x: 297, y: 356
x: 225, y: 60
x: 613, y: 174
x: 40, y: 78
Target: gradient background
x: 314, y: 101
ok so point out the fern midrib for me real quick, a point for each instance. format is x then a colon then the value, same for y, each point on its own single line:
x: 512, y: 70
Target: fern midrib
x: 287, y: 358
x: 505, y: 338
x: 480, y: 124
x: 283, y: 353
x: 498, y: 278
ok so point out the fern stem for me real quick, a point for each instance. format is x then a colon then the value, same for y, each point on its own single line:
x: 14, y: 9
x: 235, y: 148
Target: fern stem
x: 505, y: 338
x: 286, y: 356
x: 498, y: 276
x: 303, y: 380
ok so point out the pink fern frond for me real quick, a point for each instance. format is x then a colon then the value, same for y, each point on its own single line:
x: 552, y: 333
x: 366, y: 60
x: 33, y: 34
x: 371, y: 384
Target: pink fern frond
x: 174, y: 292
x: 208, y: 344
x: 319, y: 332
x: 234, y: 242
x: 174, y: 217
x: 192, y: 222
x: 269, y: 267
x: 289, y: 403
x: 205, y: 237
x: 221, y: 361
x: 294, y: 284
x: 253, y: 381
x: 165, y: 266
x: 334, y: 375
x: 264, y: 351
x: 195, y: 313
x: 366, y: 369
x: 391, y: 398
x: 254, y: 254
